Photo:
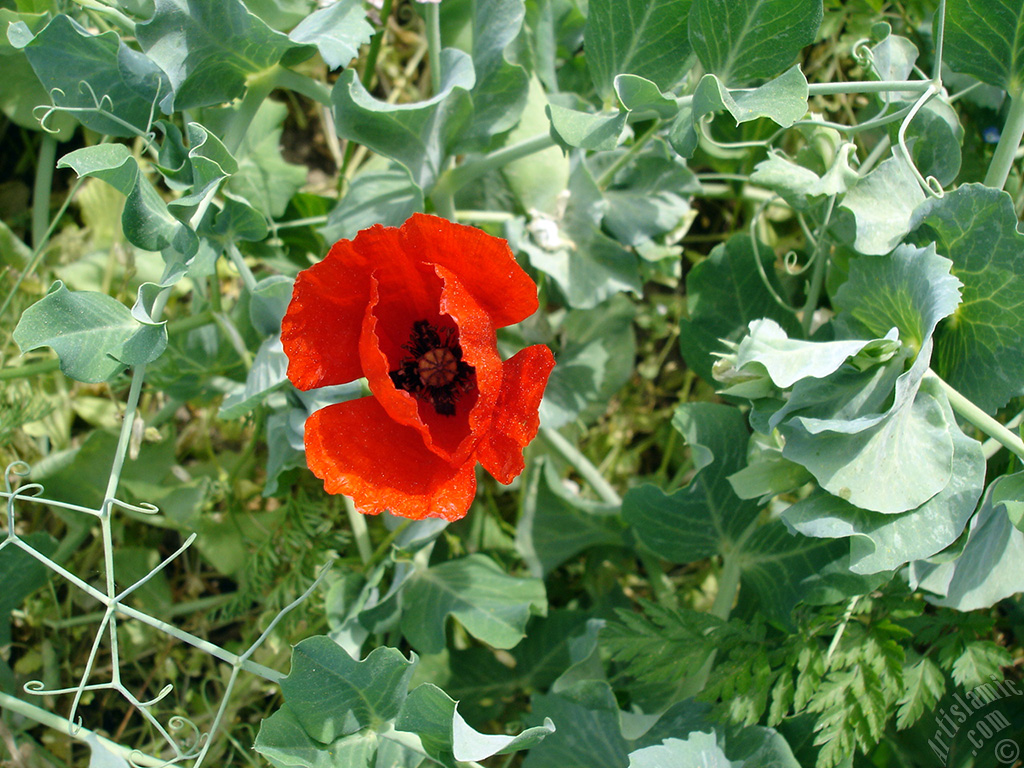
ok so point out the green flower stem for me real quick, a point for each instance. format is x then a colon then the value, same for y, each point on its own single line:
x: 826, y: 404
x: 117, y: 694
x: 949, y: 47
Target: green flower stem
x: 370, y: 67
x: 307, y: 86
x: 818, y: 275
x: 867, y: 86
x: 608, y: 176
x: 258, y: 87
x: 359, y: 531
x: 582, y: 465
x: 1009, y: 141
x: 433, y: 13
x: 58, y: 723
x: 385, y: 546
x: 45, y: 165
x: 991, y: 446
x: 980, y: 419
x: 248, y: 279
x: 456, y: 178
x: 102, y: 8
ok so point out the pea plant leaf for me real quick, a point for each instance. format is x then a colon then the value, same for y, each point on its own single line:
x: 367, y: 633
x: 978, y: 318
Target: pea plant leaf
x: 208, y: 50
x: 342, y: 712
x: 725, y: 292
x: 880, y: 542
x: 720, y: 435
x: 94, y: 335
x: 448, y: 738
x: 491, y: 605
x: 979, y: 350
x: 555, y: 525
x: 988, y: 568
x: 387, y: 197
x: 337, y: 31
x: 420, y: 135
x: 585, y: 264
x: 111, y: 88
x: 638, y: 37
x: 745, y: 40
x: 782, y: 100
x: 112, y: 163
x: 500, y: 92
x: 883, y: 205
x: 985, y: 41
x: 597, y: 345
x: 869, y: 433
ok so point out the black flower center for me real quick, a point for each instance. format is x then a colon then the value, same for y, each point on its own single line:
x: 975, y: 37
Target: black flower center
x: 434, y: 370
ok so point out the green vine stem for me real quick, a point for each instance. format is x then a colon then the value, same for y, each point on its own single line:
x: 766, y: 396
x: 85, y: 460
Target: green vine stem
x: 433, y: 12
x: 979, y: 418
x: 818, y: 275
x: 1009, y: 141
x: 582, y: 465
x: 56, y: 722
x: 43, y: 188
x: 258, y: 87
x: 360, y: 531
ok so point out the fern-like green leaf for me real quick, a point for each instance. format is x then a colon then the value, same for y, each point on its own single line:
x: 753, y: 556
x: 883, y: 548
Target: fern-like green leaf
x: 979, y: 660
x: 924, y: 685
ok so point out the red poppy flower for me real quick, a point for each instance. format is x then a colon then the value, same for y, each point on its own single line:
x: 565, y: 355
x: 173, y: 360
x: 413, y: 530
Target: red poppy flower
x: 414, y: 310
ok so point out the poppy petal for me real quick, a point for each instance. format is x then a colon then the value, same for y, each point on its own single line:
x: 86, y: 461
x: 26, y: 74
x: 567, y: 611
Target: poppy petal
x: 484, y: 264
x: 453, y: 438
x: 516, y: 420
x: 320, y: 330
x: 384, y: 465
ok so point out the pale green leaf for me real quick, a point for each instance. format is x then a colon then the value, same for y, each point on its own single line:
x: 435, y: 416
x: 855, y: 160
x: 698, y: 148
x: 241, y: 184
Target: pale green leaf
x: 113, y: 88
x: 782, y: 100
x: 706, y: 518
x: 980, y: 349
x: 94, y: 335
x: 500, y: 92
x: 986, y: 40
x: 988, y: 569
x: 419, y: 135
x: 911, y: 289
x: 724, y: 293
x: 595, y: 361
x: 639, y: 37
x: 586, y: 130
x: 697, y: 749
x: 745, y: 40
x: 208, y: 49
x: 880, y: 542
x: 387, y: 197
x: 556, y: 525
x: 431, y: 714
x: 883, y: 204
x: 337, y: 31
x: 638, y: 94
x: 490, y: 604
x: 332, y: 695
x: 113, y: 163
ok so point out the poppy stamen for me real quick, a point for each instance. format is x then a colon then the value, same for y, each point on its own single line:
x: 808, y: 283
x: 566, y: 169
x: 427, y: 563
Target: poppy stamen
x: 434, y: 369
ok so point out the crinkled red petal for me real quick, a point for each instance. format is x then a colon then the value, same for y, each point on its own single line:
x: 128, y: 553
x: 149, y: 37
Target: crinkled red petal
x: 516, y: 420
x: 320, y: 330
x: 483, y: 264
x: 453, y: 438
x: 358, y: 450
